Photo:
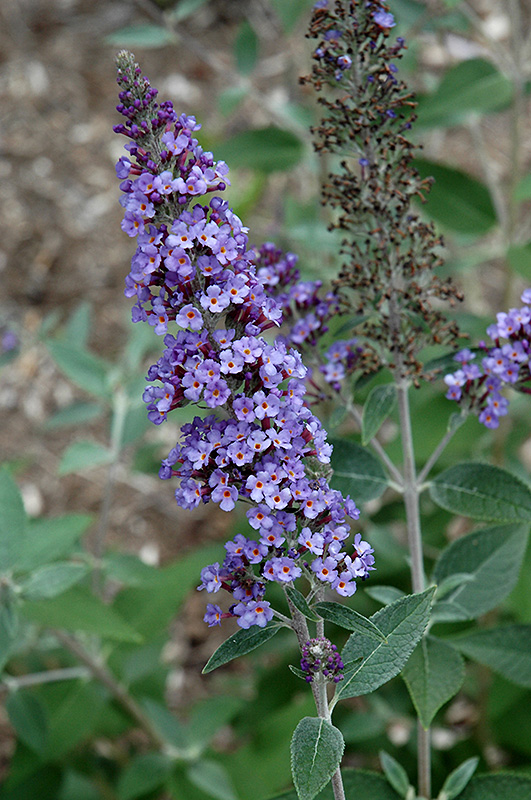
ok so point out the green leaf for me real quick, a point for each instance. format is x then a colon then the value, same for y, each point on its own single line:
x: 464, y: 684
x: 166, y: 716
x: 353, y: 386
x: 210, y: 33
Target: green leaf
x: 264, y: 149
x: 523, y: 188
x: 506, y: 650
x: 289, y: 13
x: 403, y: 623
x: 378, y: 406
x: 502, y: 786
x: 451, y: 582
x: 359, y: 784
x: 128, y: 569
x: 482, y: 491
x: 28, y: 717
x: 167, y: 725
x: 316, y: 751
x: 9, y: 625
x: 185, y: 9
x: 433, y: 674
x: 356, y: 471
x: 246, y: 48
x: 148, y: 36
x: 348, y: 618
x: 239, y: 644
x: 52, y: 580
x: 494, y: 557
x: 49, y: 539
x: 384, y: 594
x: 84, y: 455
x: 395, y: 773
x: 519, y: 258
x: 77, y: 610
x: 77, y: 787
x: 209, y: 716
x: 212, y: 778
x: 144, y: 774
x: 299, y: 601
x: 229, y: 99
x: 75, y: 414
x: 83, y: 368
x: 474, y: 86
x: 13, y: 522
x: 458, y: 779
x: 457, y: 200
x: 78, y: 326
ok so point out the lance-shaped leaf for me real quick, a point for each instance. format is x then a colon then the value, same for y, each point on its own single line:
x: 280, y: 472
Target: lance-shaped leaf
x: 86, y: 370
x: 316, y: 750
x: 28, y: 717
x: 395, y: 773
x: 482, y: 491
x: 52, y: 580
x: 13, y: 522
x: 356, y: 471
x: 493, y: 557
x: 458, y: 779
x: 240, y: 643
x: 403, y: 623
x: 299, y: 601
x: 378, y: 406
x: 349, y: 619
x: 506, y: 650
x: 474, y: 86
x: 433, y: 674
x: 49, y: 539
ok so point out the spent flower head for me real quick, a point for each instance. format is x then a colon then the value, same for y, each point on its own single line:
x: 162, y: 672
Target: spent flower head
x: 389, y: 253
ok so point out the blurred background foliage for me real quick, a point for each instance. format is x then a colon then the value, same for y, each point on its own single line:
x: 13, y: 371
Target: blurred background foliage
x: 100, y: 629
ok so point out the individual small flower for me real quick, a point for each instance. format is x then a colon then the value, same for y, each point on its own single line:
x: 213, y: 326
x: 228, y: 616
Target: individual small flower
x: 384, y: 19
x: 256, y: 612
x: 213, y: 615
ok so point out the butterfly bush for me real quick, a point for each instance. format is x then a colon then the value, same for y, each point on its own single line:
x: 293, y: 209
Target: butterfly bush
x: 199, y: 284
x: 483, y: 375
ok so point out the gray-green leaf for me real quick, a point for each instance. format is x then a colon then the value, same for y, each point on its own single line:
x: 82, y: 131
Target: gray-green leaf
x: 28, y: 717
x: 458, y: 779
x: 84, y: 455
x: 482, y: 491
x: 494, y: 557
x: 13, y: 522
x: 52, y: 579
x: 356, y: 471
x: 433, y: 674
x: 403, y: 623
x: 378, y: 406
x: 144, y: 774
x: 316, y: 750
x: 502, y: 786
x: 506, y: 650
x: 212, y: 778
x: 395, y: 773
x: 350, y: 620
x: 240, y: 643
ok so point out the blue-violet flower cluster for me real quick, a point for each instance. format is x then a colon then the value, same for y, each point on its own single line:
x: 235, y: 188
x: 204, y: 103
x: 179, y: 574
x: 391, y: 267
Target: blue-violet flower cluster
x: 478, y: 383
x: 320, y: 656
x: 201, y: 286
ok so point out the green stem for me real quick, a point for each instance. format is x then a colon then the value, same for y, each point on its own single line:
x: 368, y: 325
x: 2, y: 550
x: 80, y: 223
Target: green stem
x: 411, y: 502
x: 300, y: 626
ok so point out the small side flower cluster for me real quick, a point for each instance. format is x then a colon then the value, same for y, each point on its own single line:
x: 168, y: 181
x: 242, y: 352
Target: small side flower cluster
x: 193, y: 269
x: 321, y: 656
x: 478, y: 386
x: 308, y: 313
